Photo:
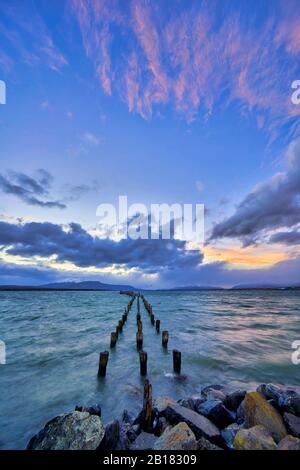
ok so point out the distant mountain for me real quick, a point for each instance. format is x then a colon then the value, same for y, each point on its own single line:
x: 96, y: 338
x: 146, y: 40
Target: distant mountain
x: 85, y: 285
x: 265, y: 286
x: 197, y: 288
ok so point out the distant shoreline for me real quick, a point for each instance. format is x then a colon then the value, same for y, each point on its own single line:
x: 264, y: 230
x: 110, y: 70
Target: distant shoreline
x: 56, y: 289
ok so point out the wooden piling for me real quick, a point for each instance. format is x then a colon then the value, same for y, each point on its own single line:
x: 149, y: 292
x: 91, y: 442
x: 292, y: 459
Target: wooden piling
x: 140, y: 326
x: 113, y: 339
x: 176, y: 361
x: 117, y: 331
x: 152, y: 318
x: 139, y: 340
x: 103, y: 360
x: 147, y: 406
x: 143, y: 362
x: 120, y: 326
x: 165, y: 338
x: 124, y: 318
x: 157, y: 325
x: 138, y: 317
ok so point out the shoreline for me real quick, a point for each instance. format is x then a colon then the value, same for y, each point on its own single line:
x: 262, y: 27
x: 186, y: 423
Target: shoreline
x: 216, y: 419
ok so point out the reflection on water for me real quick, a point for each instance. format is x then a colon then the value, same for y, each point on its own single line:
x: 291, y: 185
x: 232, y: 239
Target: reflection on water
x: 53, y: 340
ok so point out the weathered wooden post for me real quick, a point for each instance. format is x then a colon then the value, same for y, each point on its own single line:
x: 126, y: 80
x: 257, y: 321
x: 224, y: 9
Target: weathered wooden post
x: 113, y: 339
x: 120, y: 326
x: 176, y: 361
x: 117, y: 331
x: 143, y: 362
x: 138, y: 304
x: 152, y: 318
x: 140, y: 326
x: 165, y: 338
x: 124, y: 318
x: 138, y: 317
x: 139, y: 340
x: 147, y: 406
x: 157, y: 325
x: 103, y: 360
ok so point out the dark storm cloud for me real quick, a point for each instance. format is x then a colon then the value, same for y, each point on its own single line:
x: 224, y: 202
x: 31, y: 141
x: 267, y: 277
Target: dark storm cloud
x: 79, y: 247
x: 29, y: 189
x: 272, y: 204
x: 288, y: 238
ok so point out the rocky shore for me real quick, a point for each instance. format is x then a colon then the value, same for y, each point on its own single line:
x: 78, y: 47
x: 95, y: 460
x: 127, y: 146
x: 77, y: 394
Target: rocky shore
x: 215, y: 419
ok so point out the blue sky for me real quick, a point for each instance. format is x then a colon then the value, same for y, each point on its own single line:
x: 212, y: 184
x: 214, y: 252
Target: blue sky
x: 163, y: 101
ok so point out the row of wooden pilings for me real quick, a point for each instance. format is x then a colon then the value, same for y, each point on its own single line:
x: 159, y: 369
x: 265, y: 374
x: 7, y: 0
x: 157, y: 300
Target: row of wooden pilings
x: 103, y: 360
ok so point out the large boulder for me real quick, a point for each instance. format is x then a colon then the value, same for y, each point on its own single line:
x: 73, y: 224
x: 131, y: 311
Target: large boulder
x: 160, y: 404
x: 111, y: 436
x: 257, y: 411
x: 216, y: 412
x: 73, y: 431
x: 181, y: 437
x: 292, y: 423
x: 289, y: 443
x: 255, y: 438
x: 228, y: 434
x: 145, y: 441
x: 234, y: 399
x: 200, y: 425
x: 285, y: 398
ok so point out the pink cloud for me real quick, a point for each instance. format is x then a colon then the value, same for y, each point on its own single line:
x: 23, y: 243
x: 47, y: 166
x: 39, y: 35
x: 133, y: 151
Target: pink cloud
x: 193, y: 60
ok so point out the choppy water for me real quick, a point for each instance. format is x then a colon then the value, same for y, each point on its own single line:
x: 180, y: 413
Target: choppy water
x: 53, y: 341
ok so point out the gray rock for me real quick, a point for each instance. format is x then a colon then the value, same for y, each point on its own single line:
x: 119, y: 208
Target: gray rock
x: 228, y: 434
x: 92, y: 410
x: 200, y: 425
x: 204, y: 444
x: 255, y: 438
x: 187, y: 403
x: 286, y: 398
x: 292, y: 423
x: 111, y: 436
x: 289, y: 443
x: 127, y: 417
x: 145, y: 441
x: 216, y: 412
x: 160, y: 404
x: 234, y: 399
x: 73, y: 431
x: 181, y: 437
x: 209, y: 393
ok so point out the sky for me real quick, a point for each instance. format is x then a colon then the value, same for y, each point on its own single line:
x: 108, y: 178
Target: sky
x: 164, y: 101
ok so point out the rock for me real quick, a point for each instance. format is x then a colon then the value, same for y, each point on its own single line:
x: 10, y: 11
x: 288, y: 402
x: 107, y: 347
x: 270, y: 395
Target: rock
x: 289, y: 443
x: 181, y: 437
x: 233, y: 400
x: 92, y: 410
x: 73, y: 431
x: 126, y: 436
x: 228, y: 434
x: 258, y: 411
x: 286, y: 398
x: 204, y: 444
x: 216, y: 412
x: 213, y: 392
x: 187, y: 403
x: 161, y: 403
x: 255, y: 438
x: 145, y: 441
x: 292, y: 405
x: 292, y: 423
x: 162, y: 425
x: 127, y: 417
x: 111, y: 436
x: 200, y: 425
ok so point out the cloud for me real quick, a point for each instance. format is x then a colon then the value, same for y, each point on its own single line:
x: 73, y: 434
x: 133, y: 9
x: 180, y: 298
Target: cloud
x: 271, y: 205
x: 29, y: 36
x: 29, y: 189
x: 195, y: 56
x: 77, y: 246
x: 287, y: 238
